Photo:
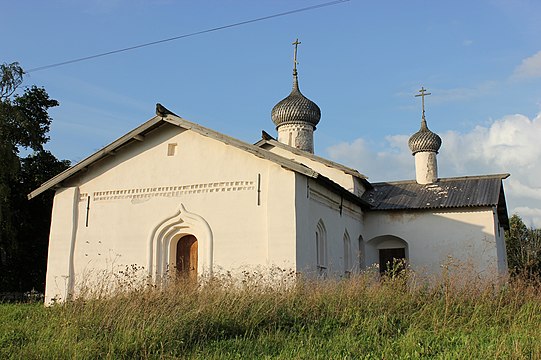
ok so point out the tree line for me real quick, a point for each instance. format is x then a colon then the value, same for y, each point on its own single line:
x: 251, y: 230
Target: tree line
x: 523, y: 246
x: 24, y: 225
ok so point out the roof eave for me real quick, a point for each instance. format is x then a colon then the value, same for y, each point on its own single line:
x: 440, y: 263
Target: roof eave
x: 314, y: 157
x: 134, y: 135
x: 156, y: 121
x: 348, y: 195
x: 252, y: 149
x: 502, y: 176
x: 501, y: 208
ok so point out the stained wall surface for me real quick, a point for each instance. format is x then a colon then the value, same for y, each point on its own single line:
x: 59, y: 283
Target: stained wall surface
x: 468, y: 241
x: 343, y: 225
x: 129, y: 209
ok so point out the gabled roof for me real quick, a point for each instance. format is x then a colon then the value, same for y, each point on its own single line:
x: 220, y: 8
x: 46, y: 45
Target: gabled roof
x: 457, y: 192
x: 329, y: 163
x: 139, y: 133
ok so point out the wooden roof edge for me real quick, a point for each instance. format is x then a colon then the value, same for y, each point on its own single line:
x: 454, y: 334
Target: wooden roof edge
x: 314, y: 157
x: 346, y: 194
x: 134, y: 135
x: 137, y: 135
x: 255, y: 150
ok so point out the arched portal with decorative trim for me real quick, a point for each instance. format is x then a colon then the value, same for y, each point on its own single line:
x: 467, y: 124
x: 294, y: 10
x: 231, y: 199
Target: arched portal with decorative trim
x: 164, y: 241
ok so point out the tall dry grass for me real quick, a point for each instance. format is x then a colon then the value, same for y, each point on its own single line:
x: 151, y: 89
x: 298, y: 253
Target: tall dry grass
x: 360, y: 317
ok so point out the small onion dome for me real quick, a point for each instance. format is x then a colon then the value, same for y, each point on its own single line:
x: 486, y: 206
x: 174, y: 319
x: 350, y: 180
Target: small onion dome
x: 424, y: 140
x: 295, y: 108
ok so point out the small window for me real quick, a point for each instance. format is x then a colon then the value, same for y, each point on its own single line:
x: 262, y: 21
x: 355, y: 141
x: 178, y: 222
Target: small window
x: 171, y: 149
x: 347, y: 255
x: 321, y: 249
x: 361, y: 253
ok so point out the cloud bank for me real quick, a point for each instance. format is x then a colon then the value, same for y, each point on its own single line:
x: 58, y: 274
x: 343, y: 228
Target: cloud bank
x: 529, y: 68
x: 508, y: 145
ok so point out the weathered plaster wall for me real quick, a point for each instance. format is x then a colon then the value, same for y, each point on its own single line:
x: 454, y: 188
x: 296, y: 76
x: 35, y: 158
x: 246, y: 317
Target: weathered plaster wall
x: 426, y: 167
x: 316, y: 203
x: 63, y: 234
x: 240, y: 207
x: 460, y: 240
x: 345, y: 180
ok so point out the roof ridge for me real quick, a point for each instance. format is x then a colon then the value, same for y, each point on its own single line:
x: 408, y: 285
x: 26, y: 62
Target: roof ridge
x: 255, y: 150
x: 467, y: 177
x: 318, y: 158
x: 175, y: 120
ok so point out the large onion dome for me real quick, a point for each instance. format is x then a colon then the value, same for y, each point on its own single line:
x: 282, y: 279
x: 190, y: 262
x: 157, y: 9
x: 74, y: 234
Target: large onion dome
x: 424, y: 140
x: 295, y: 108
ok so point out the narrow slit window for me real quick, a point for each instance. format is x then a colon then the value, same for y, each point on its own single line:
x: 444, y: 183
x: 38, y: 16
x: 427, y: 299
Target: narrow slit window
x: 348, y: 263
x: 171, y: 149
x: 321, y: 249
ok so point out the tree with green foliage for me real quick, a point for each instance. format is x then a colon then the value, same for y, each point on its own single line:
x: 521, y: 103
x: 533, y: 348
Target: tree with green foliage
x: 523, y: 248
x: 24, y: 225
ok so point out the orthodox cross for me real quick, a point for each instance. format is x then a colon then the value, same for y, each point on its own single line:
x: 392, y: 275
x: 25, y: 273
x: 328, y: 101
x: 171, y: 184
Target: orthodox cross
x: 422, y: 94
x: 296, y: 43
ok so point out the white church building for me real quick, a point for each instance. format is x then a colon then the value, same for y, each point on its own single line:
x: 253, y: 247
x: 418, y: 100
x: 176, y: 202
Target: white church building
x: 173, y: 197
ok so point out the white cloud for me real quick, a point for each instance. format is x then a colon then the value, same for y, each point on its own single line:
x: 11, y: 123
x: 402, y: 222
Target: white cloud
x: 391, y: 162
x: 510, y: 142
x: 521, y: 190
x: 529, y: 68
x: 508, y: 145
x: 531, y: 216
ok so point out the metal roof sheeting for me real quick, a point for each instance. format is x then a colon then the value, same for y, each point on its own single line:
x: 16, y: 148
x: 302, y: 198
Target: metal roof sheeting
x: 470, y: 191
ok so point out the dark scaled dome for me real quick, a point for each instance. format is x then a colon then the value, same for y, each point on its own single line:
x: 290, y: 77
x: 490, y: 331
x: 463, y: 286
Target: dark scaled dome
x: 295, y: 108
x: 424, y: 140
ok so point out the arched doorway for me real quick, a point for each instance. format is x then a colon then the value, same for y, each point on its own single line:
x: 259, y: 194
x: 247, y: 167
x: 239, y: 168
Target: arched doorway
x: 164, y: 240
x: 390, y: 252
x: 186, y: 258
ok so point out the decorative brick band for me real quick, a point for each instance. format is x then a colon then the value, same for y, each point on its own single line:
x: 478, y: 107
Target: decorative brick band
x: 173, y: 191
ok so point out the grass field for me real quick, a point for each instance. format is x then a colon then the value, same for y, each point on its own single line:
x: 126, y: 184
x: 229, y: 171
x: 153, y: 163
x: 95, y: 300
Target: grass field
x: 357, y: 318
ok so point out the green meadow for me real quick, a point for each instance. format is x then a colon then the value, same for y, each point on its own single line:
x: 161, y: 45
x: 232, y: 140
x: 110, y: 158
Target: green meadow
x: 358, y: 318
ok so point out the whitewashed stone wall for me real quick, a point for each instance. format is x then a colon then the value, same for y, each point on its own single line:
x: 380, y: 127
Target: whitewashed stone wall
x: 461, y: 240
x: 347, y: 181
x: 316, y: 203
x: 127, y: 210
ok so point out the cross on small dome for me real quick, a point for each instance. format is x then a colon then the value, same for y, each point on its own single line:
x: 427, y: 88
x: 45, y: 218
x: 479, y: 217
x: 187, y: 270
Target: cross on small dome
x: 295, y: 108
x: 424, y: 139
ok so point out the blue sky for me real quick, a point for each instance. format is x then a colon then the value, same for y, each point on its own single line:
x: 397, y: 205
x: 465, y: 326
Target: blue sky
x: 362, y: 62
